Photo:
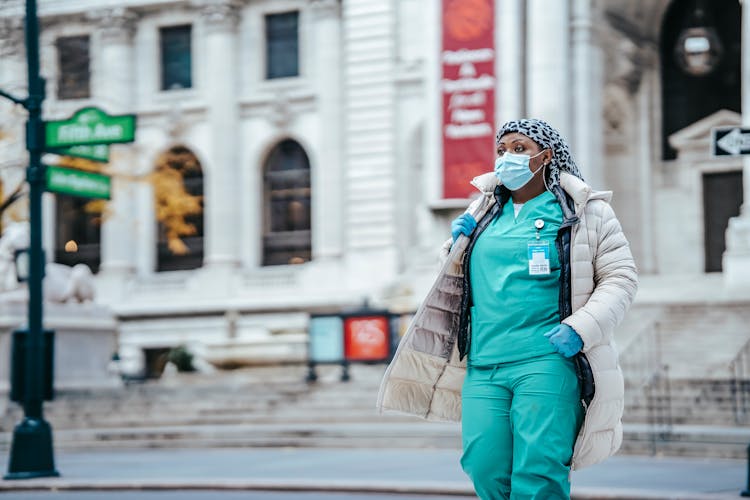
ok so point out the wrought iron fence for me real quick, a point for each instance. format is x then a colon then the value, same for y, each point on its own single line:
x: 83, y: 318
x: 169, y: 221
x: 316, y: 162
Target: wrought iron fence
x: 739, y: 382
x: 645, y: 370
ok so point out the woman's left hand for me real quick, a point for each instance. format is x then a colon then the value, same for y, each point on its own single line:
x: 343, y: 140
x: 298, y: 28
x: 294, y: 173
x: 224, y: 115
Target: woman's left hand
x: 565, y: 340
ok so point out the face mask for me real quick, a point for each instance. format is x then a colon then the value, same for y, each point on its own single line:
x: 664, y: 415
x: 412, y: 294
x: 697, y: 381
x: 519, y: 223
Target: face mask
x: 513, y: 170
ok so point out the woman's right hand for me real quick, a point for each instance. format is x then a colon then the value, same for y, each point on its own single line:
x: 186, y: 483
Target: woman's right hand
x: 463, y: 224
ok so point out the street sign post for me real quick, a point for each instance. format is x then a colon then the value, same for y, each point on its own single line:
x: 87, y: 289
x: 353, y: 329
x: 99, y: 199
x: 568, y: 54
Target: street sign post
x: 31, y: 450
x: 730, y: 141
x: 89, y: 126
x: 78, y: 183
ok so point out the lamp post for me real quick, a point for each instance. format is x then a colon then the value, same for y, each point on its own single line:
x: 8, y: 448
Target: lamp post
x: 698, y: 49
x: 31, y: 452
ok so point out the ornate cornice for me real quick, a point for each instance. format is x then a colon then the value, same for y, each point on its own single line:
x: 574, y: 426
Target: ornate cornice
x: 116, y: 25
x: 219, y: 15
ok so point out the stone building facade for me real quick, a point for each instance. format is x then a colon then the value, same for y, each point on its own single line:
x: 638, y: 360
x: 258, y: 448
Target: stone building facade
x: 362, y: 109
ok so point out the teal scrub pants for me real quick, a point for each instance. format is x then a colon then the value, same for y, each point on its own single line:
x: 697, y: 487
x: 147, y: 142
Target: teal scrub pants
x: 520, y: 421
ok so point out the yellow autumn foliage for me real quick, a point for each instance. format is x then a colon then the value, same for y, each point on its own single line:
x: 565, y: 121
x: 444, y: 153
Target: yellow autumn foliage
x: 81, y: 164
x: 100, y: 208
x: 13, y: 205
x: 173, y: 204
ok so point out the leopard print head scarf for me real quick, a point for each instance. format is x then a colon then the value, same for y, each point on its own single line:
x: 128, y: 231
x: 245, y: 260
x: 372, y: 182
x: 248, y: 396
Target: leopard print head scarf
x: 547, y: 138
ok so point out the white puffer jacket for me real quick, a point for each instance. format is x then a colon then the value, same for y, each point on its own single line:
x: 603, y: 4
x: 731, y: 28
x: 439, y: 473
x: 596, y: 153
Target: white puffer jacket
x: 426, y: 375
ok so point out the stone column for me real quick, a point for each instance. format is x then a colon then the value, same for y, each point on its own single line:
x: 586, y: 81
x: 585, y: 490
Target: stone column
x: 114, y: 75
x: 221, y: 173
x: 509, y: 53
x: 327, y: 174
x: 549, y: 60
x: 586, y: 137
x: 736, y: 262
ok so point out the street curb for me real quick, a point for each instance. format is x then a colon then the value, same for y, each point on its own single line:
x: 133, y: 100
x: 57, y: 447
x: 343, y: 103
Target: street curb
x: 448, y: 489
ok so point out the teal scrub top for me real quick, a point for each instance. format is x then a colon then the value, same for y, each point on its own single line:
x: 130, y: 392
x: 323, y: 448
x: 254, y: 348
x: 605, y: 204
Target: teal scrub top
x: 513, y: 304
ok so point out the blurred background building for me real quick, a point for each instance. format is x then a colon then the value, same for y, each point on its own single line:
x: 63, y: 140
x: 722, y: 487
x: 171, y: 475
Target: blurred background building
x: 323, y: 146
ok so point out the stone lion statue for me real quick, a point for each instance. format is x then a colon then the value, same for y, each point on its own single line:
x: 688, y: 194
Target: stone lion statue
x: 61, y: 283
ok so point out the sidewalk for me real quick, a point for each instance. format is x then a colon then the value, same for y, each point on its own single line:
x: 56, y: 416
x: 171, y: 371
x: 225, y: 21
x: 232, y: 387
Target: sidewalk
x: 428, y: 471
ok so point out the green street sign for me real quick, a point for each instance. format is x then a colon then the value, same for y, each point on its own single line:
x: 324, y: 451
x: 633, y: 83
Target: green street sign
x: 78, y: 183
x: 89, y: 126
x: 97, y: 152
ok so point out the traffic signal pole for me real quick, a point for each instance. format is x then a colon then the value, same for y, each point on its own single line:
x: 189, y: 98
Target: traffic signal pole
x: 31, y: 453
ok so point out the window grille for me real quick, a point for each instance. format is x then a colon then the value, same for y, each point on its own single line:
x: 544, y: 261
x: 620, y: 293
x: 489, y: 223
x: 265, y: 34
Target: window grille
x: 282, y: 45
x: 74, y: 77
x: 287, y: 235
x: 78, y: 232
x: 176, y: 58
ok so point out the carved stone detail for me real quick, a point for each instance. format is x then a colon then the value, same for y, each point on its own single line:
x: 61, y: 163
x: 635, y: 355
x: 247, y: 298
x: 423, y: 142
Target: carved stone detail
x: 117, y: 25
x: 11, y: 36
x: 281, y: 115
x: 175, y: 123
x: 629, y: 52
x: 221, y: 15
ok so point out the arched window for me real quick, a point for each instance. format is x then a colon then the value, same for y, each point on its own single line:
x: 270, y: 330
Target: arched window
x: 178, y: 200
x: 690, y: 93
x: 287, y: 238
x: 78, y: 231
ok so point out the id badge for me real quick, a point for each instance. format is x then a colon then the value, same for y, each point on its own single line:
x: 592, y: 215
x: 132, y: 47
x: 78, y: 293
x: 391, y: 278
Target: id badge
x: 539, y: 258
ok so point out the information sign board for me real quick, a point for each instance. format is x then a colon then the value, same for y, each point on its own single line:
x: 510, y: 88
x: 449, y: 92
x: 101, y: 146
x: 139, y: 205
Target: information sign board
x: 367, y: 338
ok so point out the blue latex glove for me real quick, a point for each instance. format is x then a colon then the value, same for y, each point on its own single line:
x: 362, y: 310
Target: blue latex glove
x: 565, y: 340
x: 463, y: 224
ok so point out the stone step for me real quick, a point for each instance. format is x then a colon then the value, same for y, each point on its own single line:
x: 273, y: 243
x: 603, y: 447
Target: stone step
x: 392, y: 434
x: 703, y: 441
x: 687, y: 440
x: 299, y: 418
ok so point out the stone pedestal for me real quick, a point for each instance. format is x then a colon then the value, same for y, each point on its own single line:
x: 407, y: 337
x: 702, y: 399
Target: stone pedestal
x: 736, y: 260
x: 85, y: 339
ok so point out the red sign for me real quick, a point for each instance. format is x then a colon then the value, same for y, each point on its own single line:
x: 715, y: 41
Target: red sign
x: 366, y: 338
x: 468, y: 89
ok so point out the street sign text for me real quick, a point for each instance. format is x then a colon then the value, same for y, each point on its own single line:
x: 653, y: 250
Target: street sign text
x: 78, y: 183
x: 89, y: 126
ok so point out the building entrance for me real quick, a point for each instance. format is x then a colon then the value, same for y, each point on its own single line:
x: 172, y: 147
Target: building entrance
x: 722, y: 198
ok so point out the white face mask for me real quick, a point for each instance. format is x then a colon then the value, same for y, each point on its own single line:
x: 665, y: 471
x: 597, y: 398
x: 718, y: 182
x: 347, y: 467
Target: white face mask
x: 513, y: 170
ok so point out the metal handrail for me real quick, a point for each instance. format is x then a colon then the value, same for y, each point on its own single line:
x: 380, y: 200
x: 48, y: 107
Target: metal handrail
x: 652, y: 376
x: 740, y: 384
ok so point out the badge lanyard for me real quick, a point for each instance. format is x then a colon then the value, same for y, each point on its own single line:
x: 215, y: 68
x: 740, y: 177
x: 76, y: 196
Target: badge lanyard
x: 538, y: 253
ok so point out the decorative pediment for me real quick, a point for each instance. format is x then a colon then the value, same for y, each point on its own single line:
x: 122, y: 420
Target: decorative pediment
x: 697, y: 136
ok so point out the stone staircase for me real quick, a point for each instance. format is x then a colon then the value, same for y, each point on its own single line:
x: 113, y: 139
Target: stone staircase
x: 274, y: 407
x: 679, y: 401
x: 236, y: 409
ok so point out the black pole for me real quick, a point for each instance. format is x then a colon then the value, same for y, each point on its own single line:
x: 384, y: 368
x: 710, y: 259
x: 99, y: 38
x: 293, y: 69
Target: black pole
x: 31, y: 453
x: 746, y: 491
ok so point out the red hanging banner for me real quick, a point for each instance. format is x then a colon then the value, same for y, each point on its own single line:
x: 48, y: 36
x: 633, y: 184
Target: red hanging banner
x: 468, y: 89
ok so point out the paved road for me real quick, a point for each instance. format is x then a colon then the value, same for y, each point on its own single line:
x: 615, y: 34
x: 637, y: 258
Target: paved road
x: 207, y: 495
x: 385, y: 470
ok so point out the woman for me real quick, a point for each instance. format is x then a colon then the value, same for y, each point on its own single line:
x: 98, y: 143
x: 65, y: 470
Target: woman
x: 532, y: 284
